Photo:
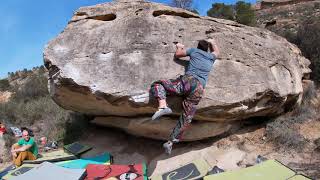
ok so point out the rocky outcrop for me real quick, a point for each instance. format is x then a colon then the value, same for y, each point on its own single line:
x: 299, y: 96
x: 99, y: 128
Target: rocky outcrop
x: 276, y: 3
x: 108, y: 55
x: 285, y: 19
x: 5, y: 96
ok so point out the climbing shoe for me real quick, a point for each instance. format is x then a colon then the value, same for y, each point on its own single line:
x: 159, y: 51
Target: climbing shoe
x: 161, y: 112
x: 168, y: 147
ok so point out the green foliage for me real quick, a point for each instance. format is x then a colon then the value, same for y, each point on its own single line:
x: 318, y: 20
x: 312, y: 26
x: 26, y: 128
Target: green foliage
x: 290, y: 36
x: 32, y: 106
x: 308, y: 40
x: 4, y: 85
x: 241, y: 12
x: 244, y: 13
x: 42, y: 69
x: 36, y: 86
x: 54, y: 122
x: 221, y: 10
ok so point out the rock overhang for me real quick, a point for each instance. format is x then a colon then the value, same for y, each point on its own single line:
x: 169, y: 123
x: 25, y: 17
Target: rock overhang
x: 108, y: 55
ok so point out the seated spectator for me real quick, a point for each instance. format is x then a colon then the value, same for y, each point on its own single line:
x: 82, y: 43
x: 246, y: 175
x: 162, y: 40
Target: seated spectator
x: 2, y: 129
x: 25, y: 149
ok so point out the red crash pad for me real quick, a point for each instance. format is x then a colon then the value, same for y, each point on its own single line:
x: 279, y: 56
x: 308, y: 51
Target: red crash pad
x: 130, y: 172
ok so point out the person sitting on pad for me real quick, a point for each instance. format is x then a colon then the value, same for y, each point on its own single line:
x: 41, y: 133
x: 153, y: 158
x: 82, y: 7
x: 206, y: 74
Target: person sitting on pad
x: 25, y: 149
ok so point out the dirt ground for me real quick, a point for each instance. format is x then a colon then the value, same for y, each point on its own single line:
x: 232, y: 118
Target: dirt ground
x: 228, y: 152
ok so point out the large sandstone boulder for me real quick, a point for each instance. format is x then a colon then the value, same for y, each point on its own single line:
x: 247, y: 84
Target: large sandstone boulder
x: 108, y: 55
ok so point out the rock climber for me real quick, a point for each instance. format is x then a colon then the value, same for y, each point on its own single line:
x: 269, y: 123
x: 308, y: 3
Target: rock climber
x: 189, y: 86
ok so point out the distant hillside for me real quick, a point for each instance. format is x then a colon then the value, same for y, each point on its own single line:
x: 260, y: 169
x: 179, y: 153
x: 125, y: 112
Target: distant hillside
x: 288, y: 17
x: 299, y: 22
x: 276, y: 3
x: 25, y: 102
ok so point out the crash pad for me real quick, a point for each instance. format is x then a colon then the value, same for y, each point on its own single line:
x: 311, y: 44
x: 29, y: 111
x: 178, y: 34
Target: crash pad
x: 267, y: 170
x: 82, y: 163
x: 77, y: 148
x: 49, y: 171
x: 128, y: 172
x: 6, y: 170
x: 54, y: 156
x: 20, y: 170
x: 299, y: 177
x: 192, y: 170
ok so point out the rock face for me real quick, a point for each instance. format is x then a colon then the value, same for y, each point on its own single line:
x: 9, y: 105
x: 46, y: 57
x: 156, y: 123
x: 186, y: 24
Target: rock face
x: 108, y: 55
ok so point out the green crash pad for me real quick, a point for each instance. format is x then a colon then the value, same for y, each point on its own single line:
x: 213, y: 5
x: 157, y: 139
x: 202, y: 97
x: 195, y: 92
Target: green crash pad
x: 82, y: 163
x: 77, y: 148
x: 20, y: 170
x: 193, y: 170
x: 299, y: 177
x: 53, y: 156
x: 268, y: 170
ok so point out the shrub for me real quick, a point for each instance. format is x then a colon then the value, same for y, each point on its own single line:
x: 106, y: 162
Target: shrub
x: 290, y: 36
x: 54, y: 122
x: 4, y: 85
x: 221, y: 10
x: 36, y: 86
x: 32, y: 106
x: 242, y: 12
x: 245, y: 13
x: 282, y: 130
x: 308, y: 40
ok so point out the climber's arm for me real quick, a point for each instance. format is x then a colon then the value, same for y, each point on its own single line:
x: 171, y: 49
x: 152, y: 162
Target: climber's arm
x: 214, y: 47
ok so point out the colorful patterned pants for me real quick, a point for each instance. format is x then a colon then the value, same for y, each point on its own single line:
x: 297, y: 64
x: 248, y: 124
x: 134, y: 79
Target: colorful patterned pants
x: 190, y: 89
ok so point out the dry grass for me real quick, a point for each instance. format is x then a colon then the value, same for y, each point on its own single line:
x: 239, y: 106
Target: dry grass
x: 32, y: 107
x: 282, y: 130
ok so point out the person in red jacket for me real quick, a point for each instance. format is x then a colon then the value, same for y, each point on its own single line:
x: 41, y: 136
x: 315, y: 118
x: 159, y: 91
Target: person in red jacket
x: 2, y: 129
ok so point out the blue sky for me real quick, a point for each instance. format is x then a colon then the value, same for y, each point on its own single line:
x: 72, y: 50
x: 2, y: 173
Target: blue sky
x: 27, y: 25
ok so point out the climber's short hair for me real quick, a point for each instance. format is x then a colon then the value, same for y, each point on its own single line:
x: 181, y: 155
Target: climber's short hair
x: 203, y: 45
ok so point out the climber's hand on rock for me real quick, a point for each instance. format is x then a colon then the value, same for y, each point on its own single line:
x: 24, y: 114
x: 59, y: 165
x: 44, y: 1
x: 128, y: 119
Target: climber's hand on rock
x: 179, y: 45
x: 212, y: 41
